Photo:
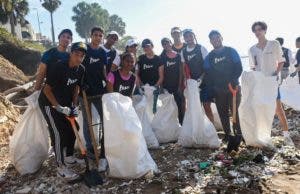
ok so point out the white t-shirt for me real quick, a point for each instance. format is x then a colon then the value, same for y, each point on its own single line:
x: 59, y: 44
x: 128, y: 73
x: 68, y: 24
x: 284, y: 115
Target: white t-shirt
x: 266, y: 60
x: 203, y: 51
x: 117, y: 59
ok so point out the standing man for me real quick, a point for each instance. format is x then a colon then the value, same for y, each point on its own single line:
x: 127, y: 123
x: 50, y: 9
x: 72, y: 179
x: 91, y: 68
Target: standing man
x: 176, y: 34
x: 297, y: 60
x: 173, y: 73
x: 113, y: 58
x: 223, y: 66
x: 192, y: 56
x: 53, y: 55
x: 266, y: 56
x: 58, y: 100
x: 94, y: 86
x: 288, y: 55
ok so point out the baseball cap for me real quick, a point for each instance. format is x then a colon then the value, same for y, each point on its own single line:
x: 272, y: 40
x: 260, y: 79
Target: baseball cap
x: 188, y: 30
x: 164, y: 40
x: 175, y: 29
x: 147, y: 42
x: 214, y: 32
x: 113, y: 33
x: 79, y: 46
x: 131, y: 42
x: 68, y: 31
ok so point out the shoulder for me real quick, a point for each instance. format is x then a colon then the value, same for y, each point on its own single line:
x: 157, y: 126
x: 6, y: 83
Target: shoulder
x: 274, y: 43
x: 253, y: 49
x: 142, y: 57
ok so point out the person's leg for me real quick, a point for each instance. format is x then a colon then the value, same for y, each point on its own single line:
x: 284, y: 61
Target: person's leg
x: 281, y: 115
x: 206, y: 100
x: 179, y: 99
x: 98, y: 105
x: 222, y: 104
x: 51, y: 134
x: 85, y: 129
x: 236, y: 126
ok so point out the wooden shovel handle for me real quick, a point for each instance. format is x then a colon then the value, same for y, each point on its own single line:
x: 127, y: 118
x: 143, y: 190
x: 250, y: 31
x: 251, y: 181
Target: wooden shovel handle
x: 234, y: 108
x: 74, y: 127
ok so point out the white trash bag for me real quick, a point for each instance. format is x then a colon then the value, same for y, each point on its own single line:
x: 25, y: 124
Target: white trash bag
x: 165, y: 122
x: 217, y: 120
x: 257, y: 108
x: 95, y: 121
x: 290, y: 92
x: 29, y: 144
x: 125, y: 147
x: 197, y: 130
x: 140, y: 105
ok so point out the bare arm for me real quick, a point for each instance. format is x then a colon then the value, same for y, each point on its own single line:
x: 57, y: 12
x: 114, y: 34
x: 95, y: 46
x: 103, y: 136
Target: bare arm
x: 50, y: 96
x: 75, y: 95
x: 138, y: 79
x: 161, y: 76
x: 110, y: 87
x: 279, y: 67
x: 41, y: 74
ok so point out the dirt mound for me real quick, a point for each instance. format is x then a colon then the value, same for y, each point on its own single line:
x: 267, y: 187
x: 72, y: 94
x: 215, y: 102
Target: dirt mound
x: 10, y: 75
x: 8, y: 119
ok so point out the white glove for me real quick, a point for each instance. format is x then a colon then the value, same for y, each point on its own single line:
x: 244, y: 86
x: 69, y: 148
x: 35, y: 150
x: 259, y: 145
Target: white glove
x: 64, y: 110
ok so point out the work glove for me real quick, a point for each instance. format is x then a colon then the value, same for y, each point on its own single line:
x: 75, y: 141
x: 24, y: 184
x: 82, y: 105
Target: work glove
x: 63, y: 109
x: 293, y: 74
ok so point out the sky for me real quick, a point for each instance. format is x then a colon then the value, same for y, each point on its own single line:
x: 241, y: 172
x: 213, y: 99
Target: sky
x: 154, y: 18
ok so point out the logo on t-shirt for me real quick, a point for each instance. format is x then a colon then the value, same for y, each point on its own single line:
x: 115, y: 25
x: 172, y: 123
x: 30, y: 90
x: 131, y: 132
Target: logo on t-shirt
x: 123, y: 88
x: 71, y: 81
x: 217, y: 60
x: 189, y: 57
x: 92, y: 60
x: 145, y: 66
x: 170, y: 63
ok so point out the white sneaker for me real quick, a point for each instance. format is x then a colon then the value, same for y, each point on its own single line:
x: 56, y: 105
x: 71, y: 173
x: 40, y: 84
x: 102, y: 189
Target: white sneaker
x: 71, y: 160
x: 288, y: 141
x: 67, y: 174
x: 102, y: 165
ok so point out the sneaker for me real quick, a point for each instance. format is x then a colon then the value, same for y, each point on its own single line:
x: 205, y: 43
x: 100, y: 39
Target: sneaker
x: 66, y: 174
x: 102, y: 165
x: 71, y: 160
x: 288, y: 141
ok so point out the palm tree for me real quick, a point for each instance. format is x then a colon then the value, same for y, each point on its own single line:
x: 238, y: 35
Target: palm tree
x: 51, y: 6
x: 13, y: 11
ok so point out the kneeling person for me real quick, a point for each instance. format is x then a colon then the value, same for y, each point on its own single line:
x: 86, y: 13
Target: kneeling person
x: 123, y: 80
x: 58, y: 100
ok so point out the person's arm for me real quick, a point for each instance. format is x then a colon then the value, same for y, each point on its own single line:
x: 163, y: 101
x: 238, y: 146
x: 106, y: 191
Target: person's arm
x: 252, y: 61
x: 110, y: 82
x: 291, y: 58
x: 161, y: 75
x: 50, y: 96
x: 116, y: 63
x: 75, y: 95
x: 41, y: 74
x: 138, y: 81
x: 181, y: 76
x: 238, y: 67
x: 279, y: 57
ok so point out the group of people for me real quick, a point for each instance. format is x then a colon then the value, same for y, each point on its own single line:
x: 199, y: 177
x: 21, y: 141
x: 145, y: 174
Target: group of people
x: 95, y: 69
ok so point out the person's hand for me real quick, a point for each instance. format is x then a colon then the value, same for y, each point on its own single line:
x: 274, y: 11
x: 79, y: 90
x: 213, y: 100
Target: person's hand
x: 293, y: 74
x: 63, y: 109
x: 74, y: 111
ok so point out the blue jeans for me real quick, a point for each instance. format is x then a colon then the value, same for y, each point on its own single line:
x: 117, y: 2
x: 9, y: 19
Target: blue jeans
x: 97, y: 102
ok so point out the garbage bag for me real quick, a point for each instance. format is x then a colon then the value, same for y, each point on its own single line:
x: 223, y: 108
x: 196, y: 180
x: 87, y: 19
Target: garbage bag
x: 165, y: 122
x: 95, y: 121
x: 125, y: 146
x: 140, y: 105
x: 28, y: 147
x: 257, y: 108
x: 197, y: 130
x: 290, y: 92
x: 217, y: 120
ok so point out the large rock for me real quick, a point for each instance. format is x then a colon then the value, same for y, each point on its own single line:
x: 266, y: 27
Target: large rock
x: 25, y: 59
x: 10, y: 75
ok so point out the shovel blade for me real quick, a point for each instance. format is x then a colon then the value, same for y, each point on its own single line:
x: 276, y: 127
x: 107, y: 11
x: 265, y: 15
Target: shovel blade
x: 92, y: 178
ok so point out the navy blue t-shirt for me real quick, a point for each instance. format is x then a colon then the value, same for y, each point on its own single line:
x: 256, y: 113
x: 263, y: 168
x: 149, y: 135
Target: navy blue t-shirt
x: 222, y: 67
x: 53, y: 56
x: 94, y: 63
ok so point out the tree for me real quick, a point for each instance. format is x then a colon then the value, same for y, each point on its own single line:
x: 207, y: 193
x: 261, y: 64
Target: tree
x: 116, y: 23
x: 88, y: 16
x: 13, y: 11
x: 51, y: 6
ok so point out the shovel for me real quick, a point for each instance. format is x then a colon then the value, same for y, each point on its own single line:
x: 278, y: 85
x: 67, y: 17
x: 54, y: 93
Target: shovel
x: 233, y: 141
x: 90, y: 177
x: 90, y: 126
